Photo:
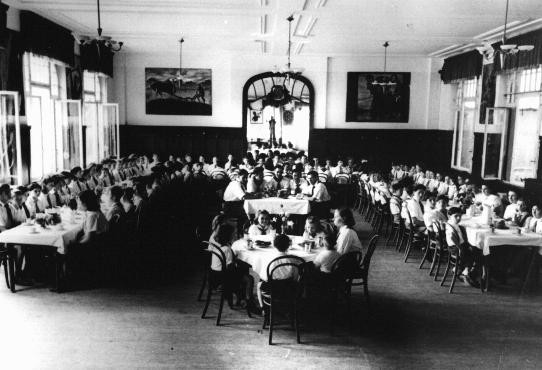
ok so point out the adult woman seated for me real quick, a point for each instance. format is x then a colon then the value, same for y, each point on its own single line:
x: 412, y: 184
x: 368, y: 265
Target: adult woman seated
x: 95, y: 222
x: 347, y: 238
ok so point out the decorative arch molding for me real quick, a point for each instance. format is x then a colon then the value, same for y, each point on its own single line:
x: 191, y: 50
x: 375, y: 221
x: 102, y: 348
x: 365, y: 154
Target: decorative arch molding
x: 260, y: 88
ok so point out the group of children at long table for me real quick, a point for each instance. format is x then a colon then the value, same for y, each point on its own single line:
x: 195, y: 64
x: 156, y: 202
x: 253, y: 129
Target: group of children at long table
x: 136, y: 194
x: 419, y: 198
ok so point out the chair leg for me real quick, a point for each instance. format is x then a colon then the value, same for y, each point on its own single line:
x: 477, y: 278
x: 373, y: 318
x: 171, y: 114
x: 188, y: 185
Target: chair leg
x: 426, y: 253
x: 3, y: 262
x: 271, y: 323
x: 445, y: 272
x: 454, y: 278
x: 434, y: 260
x: 208, y: 300
x: 390, y: 236
x: 296, y: 324
x: 408, y: 247
x: 439, y: 263
x: 366, y: 294
x: 203, y: 283
x: 219, y: 316
x: 11, y: 264
x: 265, y: 318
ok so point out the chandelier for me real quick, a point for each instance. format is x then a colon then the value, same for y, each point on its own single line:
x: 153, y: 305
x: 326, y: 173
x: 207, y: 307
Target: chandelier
x: 505, y: 49
x: 100, y: 40
x: 384, y: 80
x: 287, y: 69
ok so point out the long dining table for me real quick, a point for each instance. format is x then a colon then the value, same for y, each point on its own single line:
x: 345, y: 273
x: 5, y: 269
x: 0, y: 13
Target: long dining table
x: 485, y: 238
x: 55, y: 238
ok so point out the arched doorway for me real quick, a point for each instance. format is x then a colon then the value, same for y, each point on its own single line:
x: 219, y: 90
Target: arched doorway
x: 288, y: 101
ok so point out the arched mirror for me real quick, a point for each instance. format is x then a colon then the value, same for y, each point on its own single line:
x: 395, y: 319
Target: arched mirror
x: 278, y: 111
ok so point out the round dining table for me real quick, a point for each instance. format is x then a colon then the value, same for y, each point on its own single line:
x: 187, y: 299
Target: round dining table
x: 259, y: 257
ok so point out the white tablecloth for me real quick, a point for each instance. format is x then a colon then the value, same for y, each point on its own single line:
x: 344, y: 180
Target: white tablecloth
x: 480, y: 236
x: 273, y: 206
x: 51, y: 236
x: 259, y: 258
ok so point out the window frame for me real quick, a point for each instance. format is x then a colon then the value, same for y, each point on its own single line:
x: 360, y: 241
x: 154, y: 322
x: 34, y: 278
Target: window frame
x: 515, y: 88
x: 459, y: 121
x: 504, y: 140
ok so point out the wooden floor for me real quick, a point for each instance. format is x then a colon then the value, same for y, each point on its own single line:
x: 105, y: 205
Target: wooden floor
x: 415, y: 324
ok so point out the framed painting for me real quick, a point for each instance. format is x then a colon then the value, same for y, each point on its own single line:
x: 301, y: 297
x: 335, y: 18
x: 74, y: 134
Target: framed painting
x: 169, y: 91
x: 377, y: 96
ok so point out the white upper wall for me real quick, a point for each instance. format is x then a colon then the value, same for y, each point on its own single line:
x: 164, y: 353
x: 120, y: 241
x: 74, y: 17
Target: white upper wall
x: 230, y: 73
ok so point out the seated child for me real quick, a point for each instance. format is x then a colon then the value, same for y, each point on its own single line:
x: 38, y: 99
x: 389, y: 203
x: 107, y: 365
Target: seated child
x: 325, y: 260
x: 313, y: 229
x: 262, y: 226
x: 456, y: 238
x: 281, y: 244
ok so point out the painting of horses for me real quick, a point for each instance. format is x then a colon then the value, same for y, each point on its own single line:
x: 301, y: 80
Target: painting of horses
x: 168, y: 92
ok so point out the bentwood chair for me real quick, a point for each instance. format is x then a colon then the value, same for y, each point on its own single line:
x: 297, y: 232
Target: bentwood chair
x: 432, y: 244
x: 284, y: 294
x: 206, y: 260
x: 7, y: 261
x: 440, y: 251
x: 413, y: 236
x: 351, y: 270
x: 453, y: 263
x: 214, y: 279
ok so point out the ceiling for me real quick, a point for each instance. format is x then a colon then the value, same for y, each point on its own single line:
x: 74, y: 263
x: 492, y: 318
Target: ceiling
x: 322, y: 27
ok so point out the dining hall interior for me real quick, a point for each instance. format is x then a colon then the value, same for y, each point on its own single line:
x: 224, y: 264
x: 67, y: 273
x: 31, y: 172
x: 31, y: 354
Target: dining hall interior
x: 263, y: 183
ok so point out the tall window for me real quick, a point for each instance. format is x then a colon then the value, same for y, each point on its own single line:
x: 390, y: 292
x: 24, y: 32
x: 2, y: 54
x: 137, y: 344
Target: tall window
x: 100, y: 118
x: 45, y: 83
x: 465, y: 117
x: 523, y: 144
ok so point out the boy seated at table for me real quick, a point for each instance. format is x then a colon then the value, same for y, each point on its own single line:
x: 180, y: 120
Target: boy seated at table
x: 396, y: 202
x: 534, y: 223
x: 313, y: 229
x: 281, y: 244
x: 456, y: 237
x: 262, y: 226
x: 22, y: 213
x: 33, y: 202
x: 327, y: 257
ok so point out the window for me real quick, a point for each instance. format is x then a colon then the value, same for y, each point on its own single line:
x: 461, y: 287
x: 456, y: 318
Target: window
x: 465, y: 117
x: 100, y: 119
x: 45, y: 89
x: 10, y: 139
x: 494, y: 144
x: 523, y: 142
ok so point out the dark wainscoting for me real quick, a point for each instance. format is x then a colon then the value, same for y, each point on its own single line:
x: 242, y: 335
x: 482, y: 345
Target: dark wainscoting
x: 382, y: 147
x: 178, y: 140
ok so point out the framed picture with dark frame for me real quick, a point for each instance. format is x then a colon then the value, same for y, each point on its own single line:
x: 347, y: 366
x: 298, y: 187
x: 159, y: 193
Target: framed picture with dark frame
x: 377, y: 96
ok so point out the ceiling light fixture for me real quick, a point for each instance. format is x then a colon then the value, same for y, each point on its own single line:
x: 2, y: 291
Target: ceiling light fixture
x: 100, y: 40
x: 384, y: 80
x: 505, y: 49
x: 287, y: 70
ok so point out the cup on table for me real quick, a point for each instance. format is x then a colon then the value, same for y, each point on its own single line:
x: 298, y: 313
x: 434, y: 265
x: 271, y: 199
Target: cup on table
x: 518, y: 231
x: 34, y: 229
x: 250, y: 244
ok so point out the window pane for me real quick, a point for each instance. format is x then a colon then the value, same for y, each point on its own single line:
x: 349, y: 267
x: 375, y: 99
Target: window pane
x: 90, y: 119
x: 39, y: 69
x: 525, y: 145
x: 467, y: 138
x: 8, y: 139
x: 457, y: 139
